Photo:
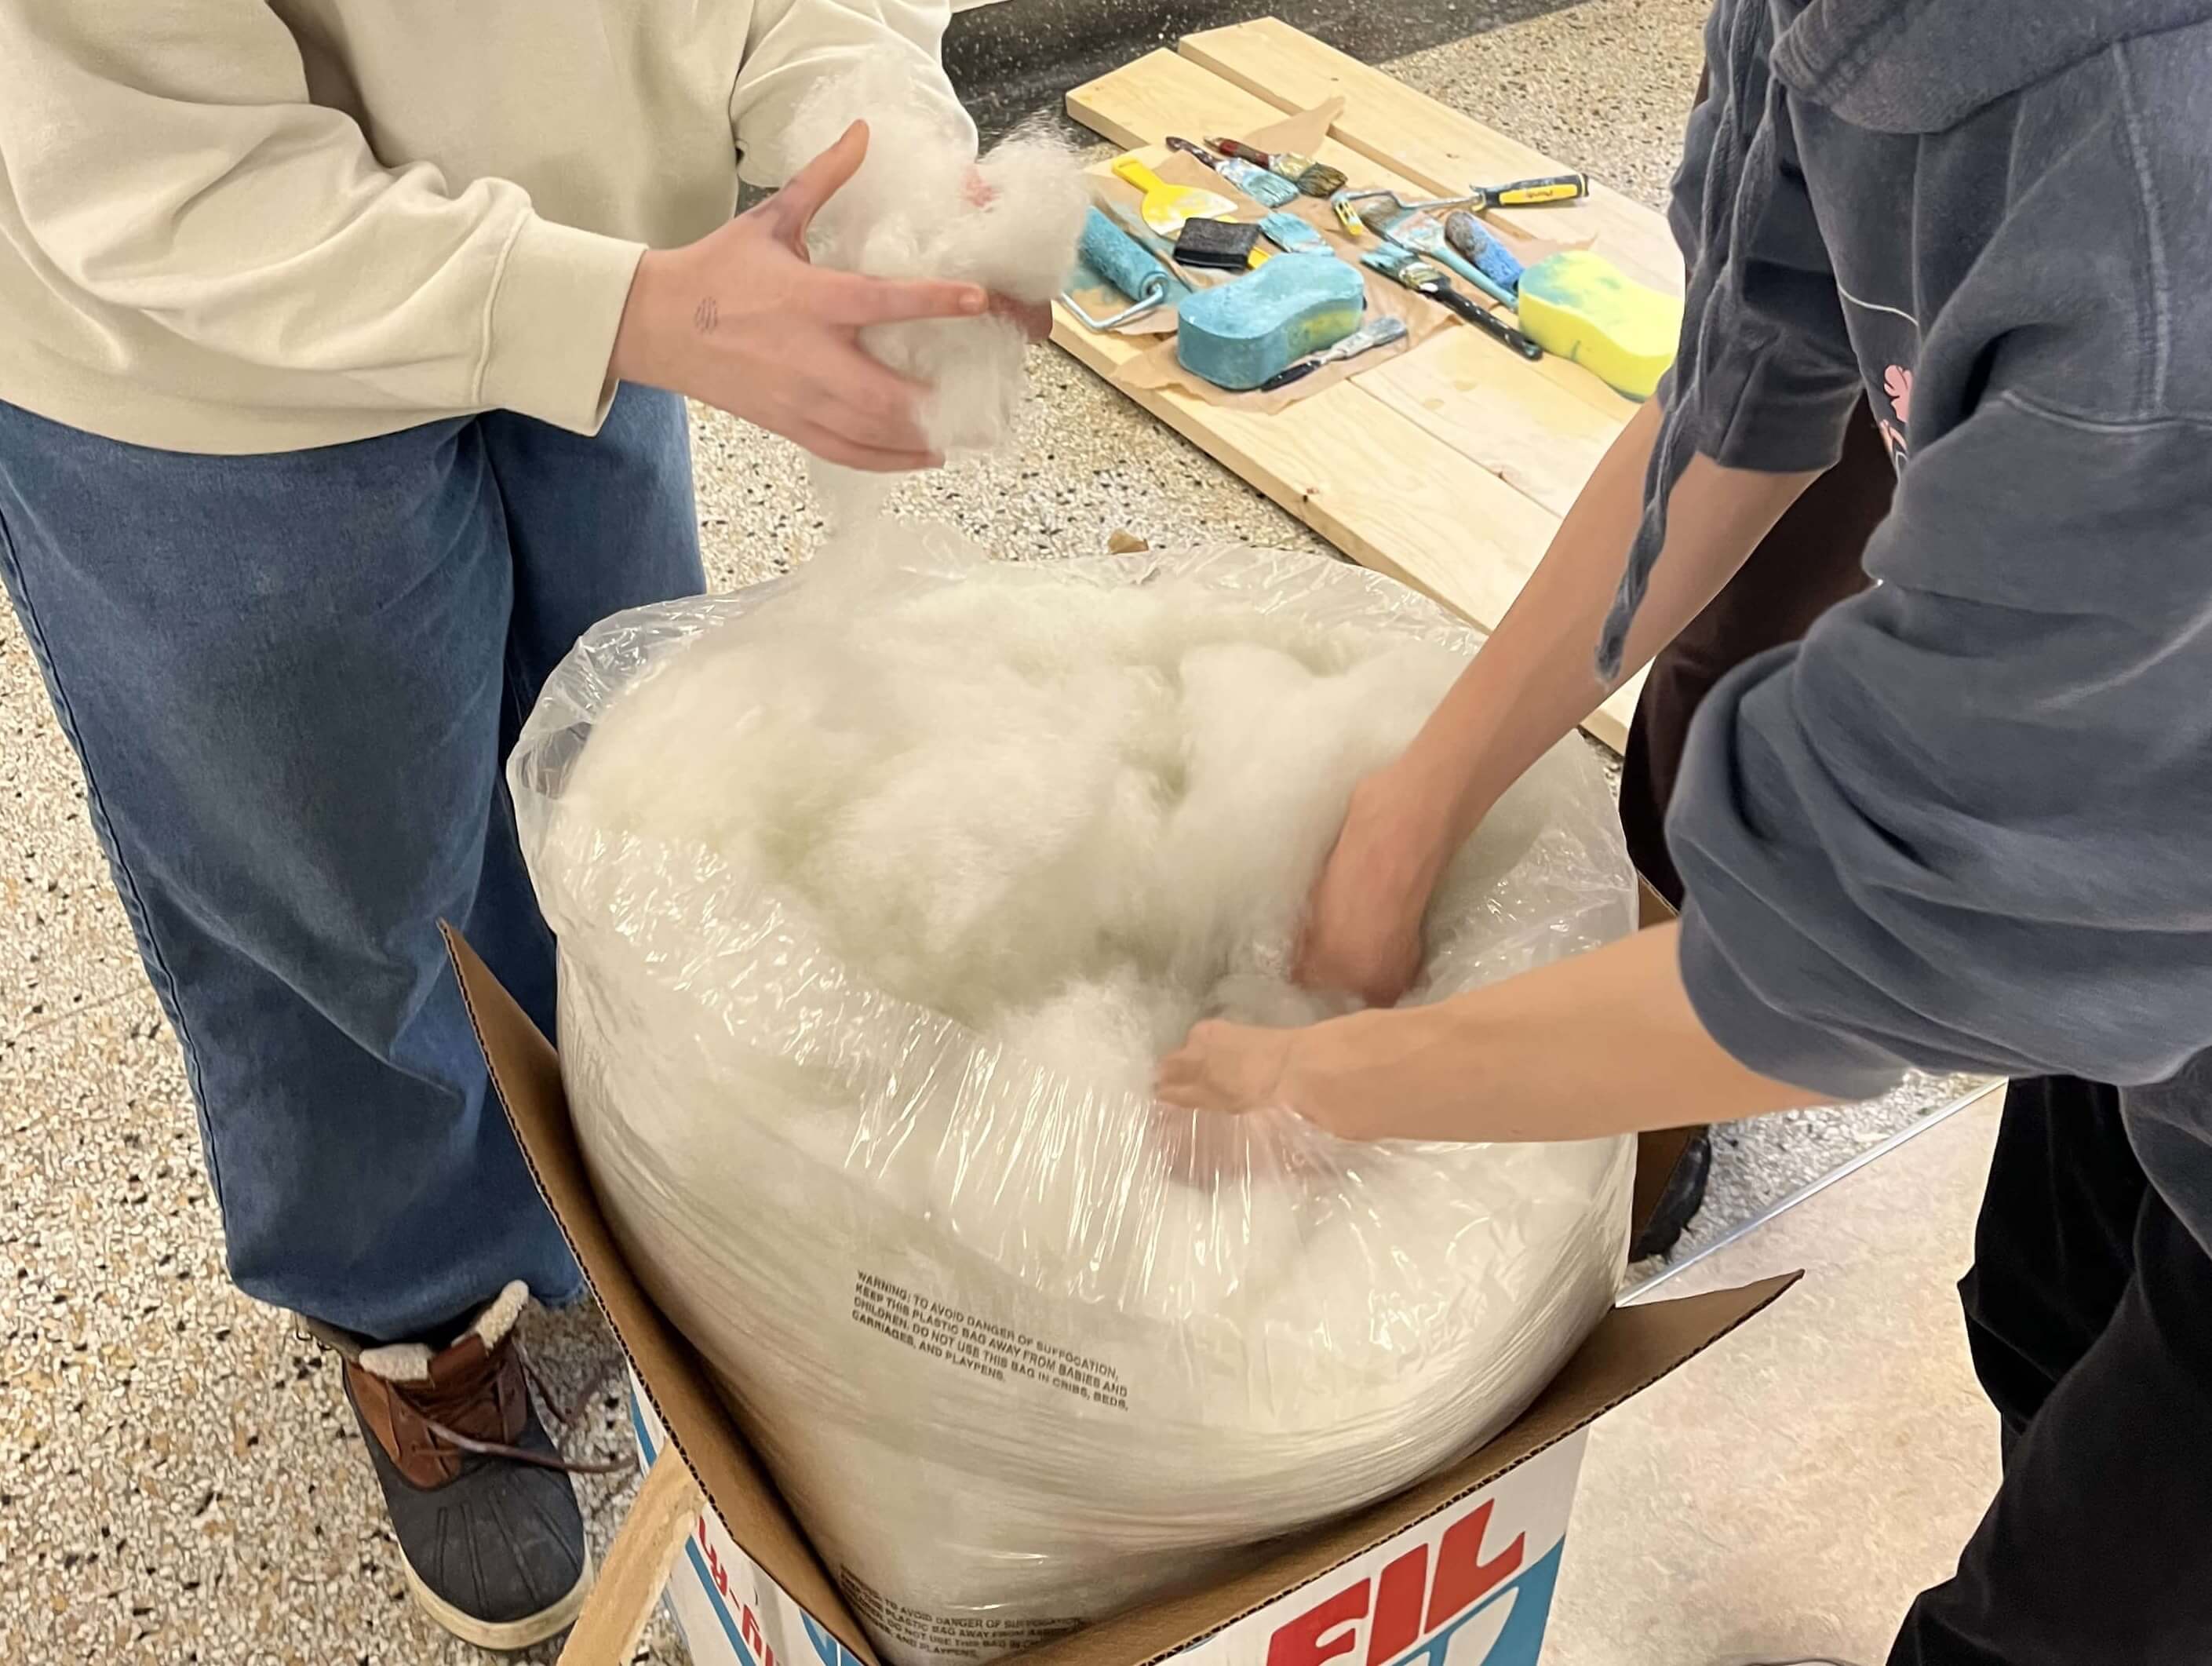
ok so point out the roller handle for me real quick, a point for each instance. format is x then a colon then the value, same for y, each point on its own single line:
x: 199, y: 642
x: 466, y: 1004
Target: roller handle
x: 1484, y: 319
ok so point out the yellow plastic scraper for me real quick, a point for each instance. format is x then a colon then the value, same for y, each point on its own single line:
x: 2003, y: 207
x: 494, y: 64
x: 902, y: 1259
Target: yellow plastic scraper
x: 1166, y: 207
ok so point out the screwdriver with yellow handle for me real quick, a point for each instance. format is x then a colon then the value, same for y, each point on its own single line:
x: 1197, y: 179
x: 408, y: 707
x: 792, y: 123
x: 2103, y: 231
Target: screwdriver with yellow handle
x: 1530, y: 193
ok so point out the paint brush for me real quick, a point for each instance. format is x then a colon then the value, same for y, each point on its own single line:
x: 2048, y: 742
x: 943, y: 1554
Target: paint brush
x: 1313, y: 178
x: 1291, y: 234
x: 1402, y: 266
x: 1379, y: 332
x: 1261, y: 187
x: 1424, y: 234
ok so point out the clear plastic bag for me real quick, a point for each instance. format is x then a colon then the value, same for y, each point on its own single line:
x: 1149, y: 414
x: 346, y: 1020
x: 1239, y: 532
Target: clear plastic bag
x: 1021, y: 1346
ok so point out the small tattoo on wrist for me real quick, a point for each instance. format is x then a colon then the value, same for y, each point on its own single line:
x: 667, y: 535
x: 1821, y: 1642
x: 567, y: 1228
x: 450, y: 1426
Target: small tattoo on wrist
x: 706, y: 316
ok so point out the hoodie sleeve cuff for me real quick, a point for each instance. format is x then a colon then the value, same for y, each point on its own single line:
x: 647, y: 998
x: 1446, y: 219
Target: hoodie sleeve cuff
x: 1768, y: 416
x: 1762, y: 1037
x: 554, y: 314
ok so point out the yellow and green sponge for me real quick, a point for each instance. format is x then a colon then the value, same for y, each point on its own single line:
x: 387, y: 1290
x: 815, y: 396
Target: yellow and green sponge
x: 1577, y: 305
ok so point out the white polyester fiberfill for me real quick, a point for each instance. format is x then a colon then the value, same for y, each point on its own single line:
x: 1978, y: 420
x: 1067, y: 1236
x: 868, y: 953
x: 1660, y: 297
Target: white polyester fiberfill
x: 923, y: 205
x: 877, y: 904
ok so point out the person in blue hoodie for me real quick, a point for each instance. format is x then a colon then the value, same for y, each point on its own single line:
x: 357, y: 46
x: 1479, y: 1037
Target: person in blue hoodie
x: 1965, y: 825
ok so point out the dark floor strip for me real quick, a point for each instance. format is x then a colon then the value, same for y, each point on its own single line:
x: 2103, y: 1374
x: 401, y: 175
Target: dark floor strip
x: 1018, y: 57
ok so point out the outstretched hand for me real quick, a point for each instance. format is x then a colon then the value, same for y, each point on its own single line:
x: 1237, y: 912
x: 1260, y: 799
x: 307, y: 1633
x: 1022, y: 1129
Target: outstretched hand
x: 1362, y: 937
x: 1335, y: 1074
x: 744, y: 321
x: 1363, y: 931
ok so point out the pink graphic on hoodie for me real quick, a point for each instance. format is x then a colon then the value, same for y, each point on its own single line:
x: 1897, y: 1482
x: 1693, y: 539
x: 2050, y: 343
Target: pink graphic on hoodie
x: 1897, y: 382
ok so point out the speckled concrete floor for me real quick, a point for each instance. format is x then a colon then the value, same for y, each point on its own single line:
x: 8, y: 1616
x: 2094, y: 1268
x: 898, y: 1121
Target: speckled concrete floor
x: 178, y: 1480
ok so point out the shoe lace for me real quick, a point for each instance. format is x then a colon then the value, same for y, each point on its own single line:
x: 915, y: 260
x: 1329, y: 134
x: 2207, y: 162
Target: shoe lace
x: 462, y: 1392
x: 499, y: 1449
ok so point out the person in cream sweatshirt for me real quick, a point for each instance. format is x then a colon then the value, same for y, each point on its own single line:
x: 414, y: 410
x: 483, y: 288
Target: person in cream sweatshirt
x: 342, y: 344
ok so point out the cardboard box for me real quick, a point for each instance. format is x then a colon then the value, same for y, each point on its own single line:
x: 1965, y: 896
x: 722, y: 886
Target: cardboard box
x: 1457, y: 1570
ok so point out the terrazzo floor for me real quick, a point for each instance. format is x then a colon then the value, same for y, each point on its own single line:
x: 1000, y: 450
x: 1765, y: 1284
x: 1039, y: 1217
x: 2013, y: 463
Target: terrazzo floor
x: 178, y: 1478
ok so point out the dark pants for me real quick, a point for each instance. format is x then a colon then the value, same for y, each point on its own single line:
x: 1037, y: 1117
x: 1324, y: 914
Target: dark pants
x: 2089, y: 1313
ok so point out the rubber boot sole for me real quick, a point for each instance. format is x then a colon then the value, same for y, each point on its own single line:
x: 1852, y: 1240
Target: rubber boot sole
x: 501, y: 1636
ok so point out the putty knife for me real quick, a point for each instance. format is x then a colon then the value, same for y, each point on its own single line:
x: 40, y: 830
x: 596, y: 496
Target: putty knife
x: 1166, y: 207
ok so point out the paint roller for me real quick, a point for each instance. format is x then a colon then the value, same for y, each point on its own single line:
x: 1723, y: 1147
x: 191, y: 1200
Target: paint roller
x: 1119, y: 259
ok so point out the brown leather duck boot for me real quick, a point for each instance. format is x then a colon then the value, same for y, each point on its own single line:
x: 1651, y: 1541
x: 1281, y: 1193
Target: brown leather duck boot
x: 491, y: 1540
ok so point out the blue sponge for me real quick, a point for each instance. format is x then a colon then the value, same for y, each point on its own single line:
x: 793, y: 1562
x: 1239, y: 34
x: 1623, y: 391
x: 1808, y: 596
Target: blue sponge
x: 1238, y: 335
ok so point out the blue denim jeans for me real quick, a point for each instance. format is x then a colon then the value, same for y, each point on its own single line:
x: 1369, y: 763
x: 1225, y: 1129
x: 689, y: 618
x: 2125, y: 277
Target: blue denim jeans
x: 292, y: 680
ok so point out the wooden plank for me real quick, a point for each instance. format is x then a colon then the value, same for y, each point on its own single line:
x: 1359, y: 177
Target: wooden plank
x: 1150, y: 97
x: 1482, y: 401
x: 1414, y: 134
x: 614, y: 1615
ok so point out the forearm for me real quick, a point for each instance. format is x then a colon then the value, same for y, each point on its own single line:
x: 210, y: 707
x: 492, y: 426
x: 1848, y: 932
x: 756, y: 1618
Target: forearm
x: 183, y: 173
x: 1536, y: 677
x: 1603, y: 1044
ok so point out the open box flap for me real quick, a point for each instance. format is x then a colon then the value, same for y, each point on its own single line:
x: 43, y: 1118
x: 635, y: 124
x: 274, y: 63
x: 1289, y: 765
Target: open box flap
x: 1631, y: 1348
x: 1624, y: 1356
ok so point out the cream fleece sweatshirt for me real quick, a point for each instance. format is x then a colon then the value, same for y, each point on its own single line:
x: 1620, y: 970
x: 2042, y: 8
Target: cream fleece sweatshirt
x: 261, y: 225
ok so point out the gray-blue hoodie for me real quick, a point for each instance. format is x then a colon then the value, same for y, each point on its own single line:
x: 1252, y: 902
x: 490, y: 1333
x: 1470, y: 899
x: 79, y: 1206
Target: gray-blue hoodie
x: 1967, y: 823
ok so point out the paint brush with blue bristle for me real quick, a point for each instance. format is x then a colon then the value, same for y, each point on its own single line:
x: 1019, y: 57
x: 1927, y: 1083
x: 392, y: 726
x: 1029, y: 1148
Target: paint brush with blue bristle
x: 1404, y: 267
x: 1313, y: 178
x: 1262, y: 187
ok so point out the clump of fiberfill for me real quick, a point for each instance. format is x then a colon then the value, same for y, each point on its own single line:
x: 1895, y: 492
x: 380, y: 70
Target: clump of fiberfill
x: 923, y: 205
x: 1075, y: 817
